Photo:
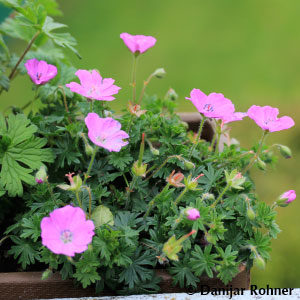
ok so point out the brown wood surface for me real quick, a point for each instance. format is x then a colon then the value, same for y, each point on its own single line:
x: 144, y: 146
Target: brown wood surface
x: 29, y: 285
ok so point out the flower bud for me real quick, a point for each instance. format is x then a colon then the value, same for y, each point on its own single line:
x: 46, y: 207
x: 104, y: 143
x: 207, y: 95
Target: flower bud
x: 209, y: 238
x: 139, y: 170
x: 192, y: 213
x: 75, y: 183
x: 261, y: 164
x: 135, y: 109
x: 208, y: 196
x: 189, y: 165
x: 171, y: 95
x: 41, y: 175
x: 153, y: 150
x: 286, y: 198
x: 159, y: 73
x: 46, y: 274
x: 259, y: 261
x: 285, y: 151
x: 250, y: 213
x: 235, y: 179
x: 89, y: 150
x: 175, y: 179
x: 192, y: 183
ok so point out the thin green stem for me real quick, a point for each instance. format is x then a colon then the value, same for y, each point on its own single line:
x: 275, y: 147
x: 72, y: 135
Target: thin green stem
x: 221, y: 195
x: 134, y: 67
x: 129, y: 124
x: 31, y: 101
x: 150, y: 169
x: 257, y: 153
x: 90, y: 200
x: 180, y: 196
x: 51, y: 192
x: 86, y: 175
x: 198, y: 136
x: 129, y: 189
x: 144, y: 88
x: 152, y: 202
x: 12, y: 73
x: 126, y: 181
x: 65, y: 102
x: 78, y: 199
x: 218, y: 142
x: 14, y: 70
x: 162, y: 165
x: 214, y: 140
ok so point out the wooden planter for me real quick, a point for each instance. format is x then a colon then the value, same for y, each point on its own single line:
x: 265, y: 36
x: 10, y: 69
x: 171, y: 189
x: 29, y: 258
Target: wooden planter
x: 29, y: 285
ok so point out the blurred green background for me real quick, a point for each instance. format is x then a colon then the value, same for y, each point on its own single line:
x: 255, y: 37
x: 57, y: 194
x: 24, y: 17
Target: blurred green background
x: 248, y: 50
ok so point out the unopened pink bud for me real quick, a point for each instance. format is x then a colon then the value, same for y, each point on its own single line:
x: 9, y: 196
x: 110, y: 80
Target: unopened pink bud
x: 192, y: 214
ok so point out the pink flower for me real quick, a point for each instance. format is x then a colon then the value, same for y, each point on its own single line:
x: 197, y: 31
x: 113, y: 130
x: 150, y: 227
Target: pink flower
x: 105, y: 132
x: 266, y: 118
x: 236, y: 116
x: 288, y: 196
x: 214, y: 105
x: 138, y: 43
x: 93, y: 86
x: 39, y: 71
x: 192, y: 214
x: 67, y: 231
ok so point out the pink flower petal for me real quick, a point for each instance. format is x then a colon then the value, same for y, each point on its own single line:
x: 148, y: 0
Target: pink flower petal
x: 39, y: 71
x: 67, y: 231
x: 266, y: 118
x: 93, y: 86
x: 105, y: 132
x: 138, y: 43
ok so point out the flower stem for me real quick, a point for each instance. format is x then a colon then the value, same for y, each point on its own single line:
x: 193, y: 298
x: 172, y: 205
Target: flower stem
x: 65, y: 102
x: 134, y: 67
x: 12, y: 73
x: 220, y: 196
x: 51, y: 192
x: 151, y: 203
x: 144, y: 88
x: 162, y: 165
x: 86, y: 175
x: 130, y: 188
x: 31, y: 101
x: 78, y: 199
x: 218, y: 140
x: 180, y: 196
x: 257, y: 153
x: 198, y: 136
x: 90, y: 201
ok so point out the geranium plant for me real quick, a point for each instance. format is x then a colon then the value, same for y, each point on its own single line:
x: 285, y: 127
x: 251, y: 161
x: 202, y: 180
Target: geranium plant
x: 107, y: 198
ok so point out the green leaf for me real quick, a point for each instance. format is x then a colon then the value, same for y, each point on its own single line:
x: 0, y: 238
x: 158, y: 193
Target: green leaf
x: 31, y: 227
x: 22, y: 155
x: 182, y: 274
x: 50, y: 25
x: 203, y: 261
x: 86, y: 269
x: 4, y: 47
x: 102, y: 215
x: 4, y: 82
x: 262, y: 244
x: 137, y: 271
x: 120, y: 160
x: 61, y: 39
x: 24, y: 250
